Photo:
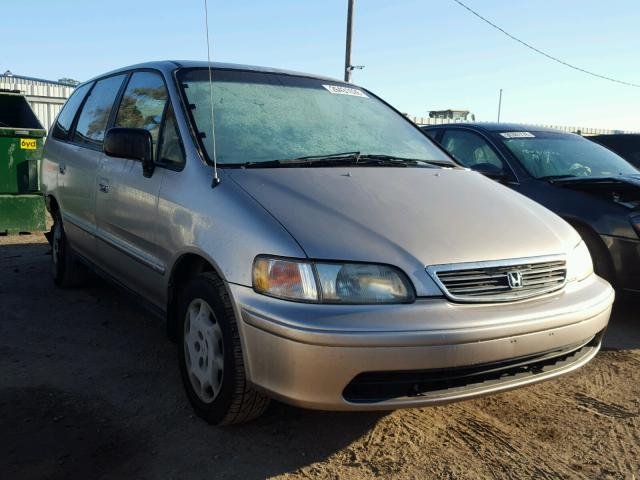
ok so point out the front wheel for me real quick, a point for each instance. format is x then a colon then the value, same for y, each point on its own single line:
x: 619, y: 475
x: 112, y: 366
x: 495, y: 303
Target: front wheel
x: 210, y: 355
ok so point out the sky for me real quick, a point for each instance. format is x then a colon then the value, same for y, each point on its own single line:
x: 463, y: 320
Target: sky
x: 419, y: 55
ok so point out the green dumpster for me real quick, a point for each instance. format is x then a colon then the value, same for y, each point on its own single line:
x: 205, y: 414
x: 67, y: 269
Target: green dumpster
x: 21, y: 138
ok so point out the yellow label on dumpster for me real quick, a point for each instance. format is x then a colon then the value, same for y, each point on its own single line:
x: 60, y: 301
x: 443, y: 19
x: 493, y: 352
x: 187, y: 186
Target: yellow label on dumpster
x: 28, y: 143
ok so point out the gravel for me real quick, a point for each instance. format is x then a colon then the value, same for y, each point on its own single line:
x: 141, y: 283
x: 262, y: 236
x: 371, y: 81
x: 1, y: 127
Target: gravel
x: 89, y: 388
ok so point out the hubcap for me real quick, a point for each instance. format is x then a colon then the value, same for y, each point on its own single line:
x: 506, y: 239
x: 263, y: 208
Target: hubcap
x: 203, y: 350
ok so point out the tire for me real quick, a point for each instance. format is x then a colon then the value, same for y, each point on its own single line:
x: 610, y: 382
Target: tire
x: 67, y: 271
x: 210, y: 355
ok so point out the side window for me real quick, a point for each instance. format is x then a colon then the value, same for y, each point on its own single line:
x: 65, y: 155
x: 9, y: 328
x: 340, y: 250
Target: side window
x: 470, y: 149
x: 95, y: 113
x: 432, y: 134
x: 143, y: 104
x: 62, y: 126
x: 170, y: 147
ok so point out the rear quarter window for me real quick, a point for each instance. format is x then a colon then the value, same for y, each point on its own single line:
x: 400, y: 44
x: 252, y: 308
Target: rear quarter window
x: 62, y: 127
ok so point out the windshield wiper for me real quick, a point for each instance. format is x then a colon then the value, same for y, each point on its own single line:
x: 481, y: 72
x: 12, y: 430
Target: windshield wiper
x: 345, y: 155
x: 551, y: 178
x: 329, y: 160
x: 345, y: 158
x: 392, y: 159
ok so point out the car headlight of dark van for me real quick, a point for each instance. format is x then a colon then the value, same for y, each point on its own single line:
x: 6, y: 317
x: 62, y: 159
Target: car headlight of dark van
x: 579, y: 264
x: 330, y: 282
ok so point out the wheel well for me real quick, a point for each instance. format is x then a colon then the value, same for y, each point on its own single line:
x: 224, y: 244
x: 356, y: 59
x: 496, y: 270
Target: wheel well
x: 52, y: 207
x: 52, y: 204
x: 187, y: 267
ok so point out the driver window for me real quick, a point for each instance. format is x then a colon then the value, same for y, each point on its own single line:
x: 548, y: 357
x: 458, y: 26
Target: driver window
x: 143, y: 104
x: 470, y: 149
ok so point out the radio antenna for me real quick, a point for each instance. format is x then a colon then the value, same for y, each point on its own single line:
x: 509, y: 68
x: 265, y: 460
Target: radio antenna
x: 216, y: 179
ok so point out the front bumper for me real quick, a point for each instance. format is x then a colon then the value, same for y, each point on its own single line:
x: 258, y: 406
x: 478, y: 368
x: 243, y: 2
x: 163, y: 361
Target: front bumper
x: 308, y: 355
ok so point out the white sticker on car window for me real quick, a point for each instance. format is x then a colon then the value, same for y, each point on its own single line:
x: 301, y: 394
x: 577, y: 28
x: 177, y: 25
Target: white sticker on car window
x: 354, y: 92
x: 517, y: 135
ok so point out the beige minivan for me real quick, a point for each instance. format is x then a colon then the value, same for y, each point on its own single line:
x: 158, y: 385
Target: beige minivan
x: 338, y: 259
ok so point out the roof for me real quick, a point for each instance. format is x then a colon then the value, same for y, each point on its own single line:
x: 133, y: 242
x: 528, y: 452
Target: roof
x: 452, y: 110
x: 170, y: 65
x: 497, y: 127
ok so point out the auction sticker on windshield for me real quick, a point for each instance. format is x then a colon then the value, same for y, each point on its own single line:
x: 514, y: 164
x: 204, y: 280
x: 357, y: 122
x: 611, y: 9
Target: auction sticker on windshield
x: 354, y: 92
x: 517, y: 135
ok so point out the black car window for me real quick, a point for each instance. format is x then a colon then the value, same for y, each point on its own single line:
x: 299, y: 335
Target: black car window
x: 627, y: 146
x: 63, y: 123
x: 143, y: 103
x: 432, y: 134
x: 170, y: 147
x: 95, y: 113
x: 557, y: 154
x: 470, y: 149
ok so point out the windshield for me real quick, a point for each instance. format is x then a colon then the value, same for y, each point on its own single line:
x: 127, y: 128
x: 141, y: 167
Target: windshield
x: 553, y: 155
x: 261, y: 117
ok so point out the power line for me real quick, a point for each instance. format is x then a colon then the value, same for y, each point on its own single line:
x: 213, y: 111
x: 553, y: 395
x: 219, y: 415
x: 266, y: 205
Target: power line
x: 551, y: 57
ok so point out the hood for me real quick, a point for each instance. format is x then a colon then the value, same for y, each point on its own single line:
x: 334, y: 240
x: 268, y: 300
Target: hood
x: 623, y: 190
x: 407, y: 217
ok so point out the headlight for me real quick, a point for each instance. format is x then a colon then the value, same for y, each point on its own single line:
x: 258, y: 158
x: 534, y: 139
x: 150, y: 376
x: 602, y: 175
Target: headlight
x: 288, y: 279
x: 579, y: 265
x: 362, y: 283
x: 324, y: 282
x: 635, y: 221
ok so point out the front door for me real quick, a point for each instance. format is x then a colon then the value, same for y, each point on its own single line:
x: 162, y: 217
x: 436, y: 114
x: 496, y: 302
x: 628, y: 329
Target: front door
x: 127, y: 201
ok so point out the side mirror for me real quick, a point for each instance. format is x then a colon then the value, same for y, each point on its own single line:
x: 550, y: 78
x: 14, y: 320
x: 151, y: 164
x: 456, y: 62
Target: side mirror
x: 131, y: 143
x: 490, y: 170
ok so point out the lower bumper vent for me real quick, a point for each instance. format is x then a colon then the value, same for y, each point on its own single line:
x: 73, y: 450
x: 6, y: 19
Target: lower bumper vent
x: 372, y: 387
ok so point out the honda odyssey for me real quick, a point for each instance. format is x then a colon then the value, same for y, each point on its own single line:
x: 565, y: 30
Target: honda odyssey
x: 307, y: 242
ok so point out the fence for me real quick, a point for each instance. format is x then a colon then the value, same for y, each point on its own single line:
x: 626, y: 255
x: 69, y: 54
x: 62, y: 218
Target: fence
x: 570, y: 129
x: 47, y: 98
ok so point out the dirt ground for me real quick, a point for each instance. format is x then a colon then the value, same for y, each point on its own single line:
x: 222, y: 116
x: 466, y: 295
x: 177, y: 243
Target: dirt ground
x: 89, y: 388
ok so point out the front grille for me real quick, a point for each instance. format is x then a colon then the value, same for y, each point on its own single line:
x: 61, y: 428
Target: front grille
x: 375, y: 387
x: 490, y: 282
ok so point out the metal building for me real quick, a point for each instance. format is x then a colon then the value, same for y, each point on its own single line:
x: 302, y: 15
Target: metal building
x: 455, y: 115
x: 46, y: 97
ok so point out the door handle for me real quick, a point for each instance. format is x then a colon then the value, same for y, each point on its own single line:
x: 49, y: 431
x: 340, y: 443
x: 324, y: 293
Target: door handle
x: 62, y: 168
x: 103, y: 187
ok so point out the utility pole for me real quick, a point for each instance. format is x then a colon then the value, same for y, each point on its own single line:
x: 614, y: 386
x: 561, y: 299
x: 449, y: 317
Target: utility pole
x: 499, y: 105
x: 348, y: 68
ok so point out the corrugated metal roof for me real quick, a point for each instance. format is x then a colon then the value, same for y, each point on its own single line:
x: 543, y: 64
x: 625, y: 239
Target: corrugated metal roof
x: 41, y: 91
